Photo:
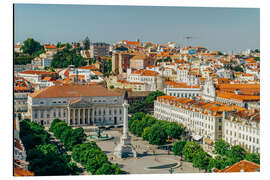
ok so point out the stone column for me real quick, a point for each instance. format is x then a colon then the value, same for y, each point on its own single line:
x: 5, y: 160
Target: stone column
x: 68, y: 115
x: 89, y: 118
x: 125, y: 119
x: 73, y: 119
x: 93, y: 115
x: 83, y: 116
x: 79, y: 116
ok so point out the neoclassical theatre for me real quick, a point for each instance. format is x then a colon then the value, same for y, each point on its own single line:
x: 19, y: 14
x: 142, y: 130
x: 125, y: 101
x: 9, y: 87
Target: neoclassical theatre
x: 77, y: 105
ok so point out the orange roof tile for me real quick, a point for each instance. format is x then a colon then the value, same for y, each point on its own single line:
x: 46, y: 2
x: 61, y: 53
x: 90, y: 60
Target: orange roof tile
x: 73, y: 90
x: 244, y: 165
x: 22, y: 172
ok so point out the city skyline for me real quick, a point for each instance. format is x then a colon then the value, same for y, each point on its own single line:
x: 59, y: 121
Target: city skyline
x: 224, y: 29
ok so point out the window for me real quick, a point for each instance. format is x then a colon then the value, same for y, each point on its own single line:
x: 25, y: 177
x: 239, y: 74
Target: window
x: 41, y: 102
x: 219, y: 127
x: 64, y: 114
x: 36, y: 116
x: 41, y: 114
x: 59, y: 113
x: 220, y: 120
x: 54, y: 114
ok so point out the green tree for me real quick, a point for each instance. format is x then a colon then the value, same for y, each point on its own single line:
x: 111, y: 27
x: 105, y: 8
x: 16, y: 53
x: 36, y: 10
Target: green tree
x: 96, y: 162
x: 178, y: 147
x: 253, y: 157
x: 174, y: 130
x: 157, y: 135
x: 111, y: 86
x: 221, y: 147
x: 149, y: 101
x: 133, y: 126
x: 190, y: 150
x: 219, y: 162
x: 78, y: 136
x: 86, y: 43
x: 30, y: 46
x: 136, y: 107
x: 54, y: 122
x: 201, y: 160
x: 146, y: 133
x: 256, y: 59
x: 66, y: 57
x: 256, y: 50
x: 237, y: 153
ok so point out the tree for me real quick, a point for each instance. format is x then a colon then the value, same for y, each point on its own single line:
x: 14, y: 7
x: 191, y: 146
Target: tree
x: 136, y: 107
x: 238, y: 69
x: 256, y: 59
x: 86, y: 43
x: 237, y: 153
x: 253, y: 157
x: 190, y: 150
x: 178, y: 147
x: 111, y: 86
x: 256, y: 50
x: 54, y: 122
x: 219, y: 162
x: 221, y: 147
x: 96, y: 162
x: 149, y: 101
x: 66, y: 57
x: 46, y: 160
x: 146, y: 133
x: 174, y: 130
x: 219, y: 53
x: 30, y: 46
x: 133, y: 126
x: 78, y: 136
x: 157, y: 135
x: 201, y: 160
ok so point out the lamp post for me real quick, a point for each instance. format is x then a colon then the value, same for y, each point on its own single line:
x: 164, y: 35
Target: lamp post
x: 171, y: 170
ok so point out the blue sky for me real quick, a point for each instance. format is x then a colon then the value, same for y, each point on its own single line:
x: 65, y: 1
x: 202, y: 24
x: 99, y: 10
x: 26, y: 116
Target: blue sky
x: 222, y: 29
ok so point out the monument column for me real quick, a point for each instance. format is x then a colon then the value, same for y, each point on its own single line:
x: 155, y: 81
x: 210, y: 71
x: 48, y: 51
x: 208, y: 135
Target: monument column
x: 125, y: 148
x: 125, y: 119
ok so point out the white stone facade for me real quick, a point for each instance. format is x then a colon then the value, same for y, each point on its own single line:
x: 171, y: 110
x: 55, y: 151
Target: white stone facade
x: 242, y: 131
x: 207, y: 125
x: 100, y: 111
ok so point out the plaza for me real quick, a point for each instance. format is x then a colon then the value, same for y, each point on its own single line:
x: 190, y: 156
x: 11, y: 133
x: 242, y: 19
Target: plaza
x: 150, y: 160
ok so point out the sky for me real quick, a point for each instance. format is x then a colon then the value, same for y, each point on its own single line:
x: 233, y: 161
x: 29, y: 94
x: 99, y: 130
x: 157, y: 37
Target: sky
x: 224, y: 29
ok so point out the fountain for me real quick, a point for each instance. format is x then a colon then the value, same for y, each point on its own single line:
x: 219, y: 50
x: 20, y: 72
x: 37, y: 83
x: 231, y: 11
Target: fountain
x: 99, y: 136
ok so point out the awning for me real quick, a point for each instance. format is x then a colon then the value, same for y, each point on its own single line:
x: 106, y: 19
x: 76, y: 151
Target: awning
x: 197, y: 137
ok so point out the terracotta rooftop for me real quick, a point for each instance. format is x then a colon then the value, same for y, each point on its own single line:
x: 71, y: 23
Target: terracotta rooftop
x: 22, y: 172
x: 73, y: 90
x: 244, y: 165
x: 91, y: 67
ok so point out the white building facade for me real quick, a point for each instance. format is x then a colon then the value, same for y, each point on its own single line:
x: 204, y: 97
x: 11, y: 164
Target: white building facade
x: 77, y: 105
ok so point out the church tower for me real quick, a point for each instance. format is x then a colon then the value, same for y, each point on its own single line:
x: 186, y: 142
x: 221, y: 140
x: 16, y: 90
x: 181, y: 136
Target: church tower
x: 208, y: 90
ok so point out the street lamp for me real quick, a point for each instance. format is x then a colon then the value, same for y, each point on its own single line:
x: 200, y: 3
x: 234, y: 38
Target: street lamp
x: 171, y: 170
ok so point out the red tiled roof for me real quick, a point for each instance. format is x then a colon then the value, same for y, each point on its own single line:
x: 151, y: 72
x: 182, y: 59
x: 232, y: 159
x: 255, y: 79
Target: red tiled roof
x: 22, y: 172
x: 244, y: 165
x: 73, y: 90
x: 90, y: 67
